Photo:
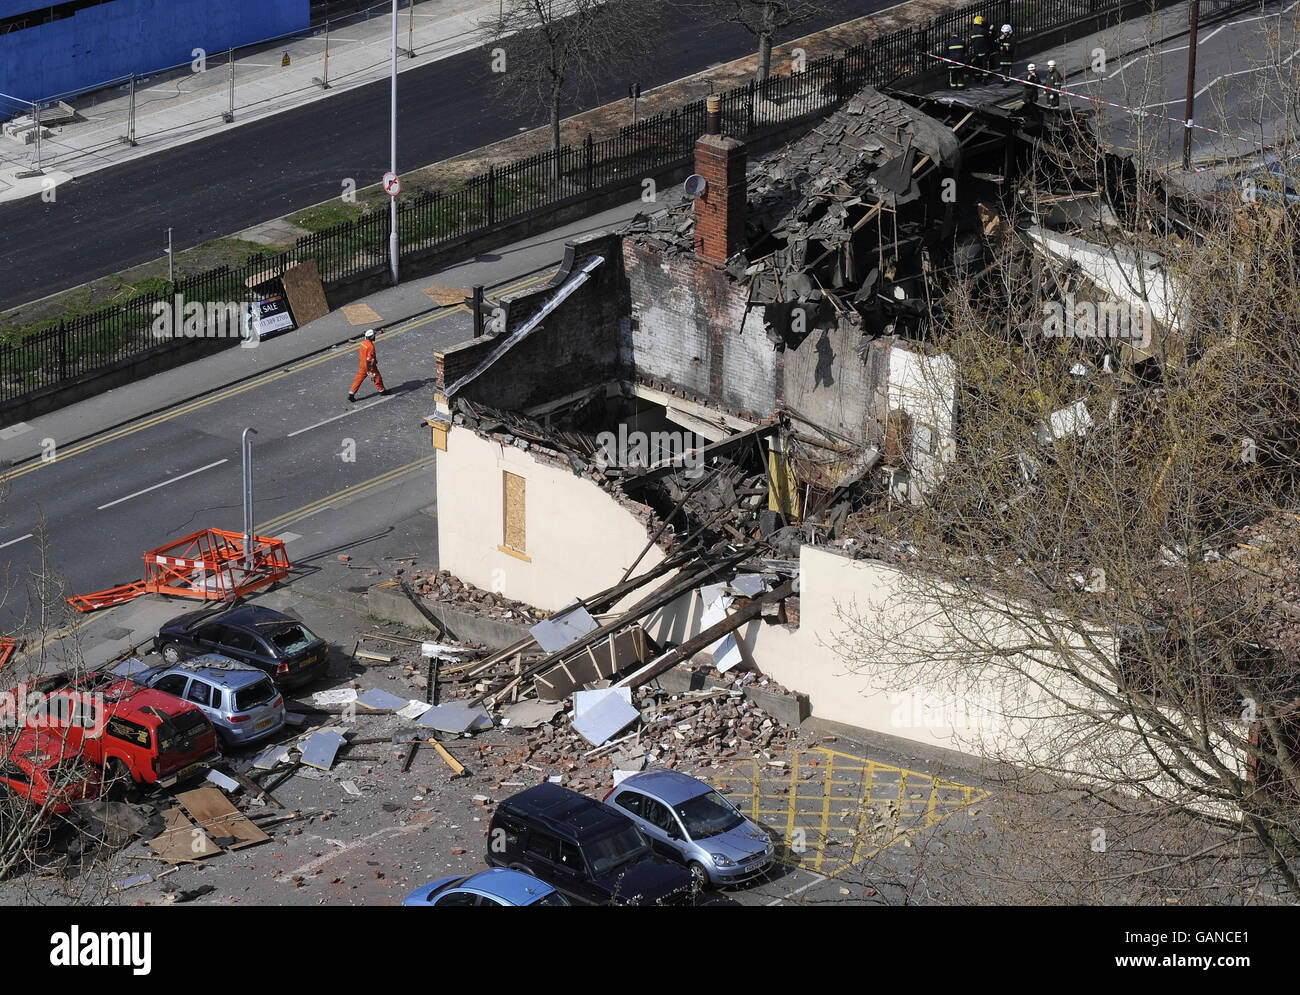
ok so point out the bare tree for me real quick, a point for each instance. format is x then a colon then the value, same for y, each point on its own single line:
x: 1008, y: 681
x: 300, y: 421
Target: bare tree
x: 550, y: 51
x: 1108, y: 571
x: 763, y: 19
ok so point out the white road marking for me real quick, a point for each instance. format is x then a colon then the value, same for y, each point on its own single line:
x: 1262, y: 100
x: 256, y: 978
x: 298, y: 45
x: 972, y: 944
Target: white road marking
x: 345, y: 414
x: 14, y: 542
x: 817, y: 879
x: 171, y: 480
x: 325, y: 858
x: 287, y: 537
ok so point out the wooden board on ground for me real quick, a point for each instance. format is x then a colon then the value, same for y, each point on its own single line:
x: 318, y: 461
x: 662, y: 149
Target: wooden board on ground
x: 360, y: 314
x: 181, y: 841
x: 212, y: 810
x: 445, y: 296
x: 596, y: 662
x: 306, y: 295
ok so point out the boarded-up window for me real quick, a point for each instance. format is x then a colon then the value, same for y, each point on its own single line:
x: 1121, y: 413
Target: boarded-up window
x: 513, y: 504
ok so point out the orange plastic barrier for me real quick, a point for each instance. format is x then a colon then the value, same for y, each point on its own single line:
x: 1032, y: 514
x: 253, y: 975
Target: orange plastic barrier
x: 207, y: 566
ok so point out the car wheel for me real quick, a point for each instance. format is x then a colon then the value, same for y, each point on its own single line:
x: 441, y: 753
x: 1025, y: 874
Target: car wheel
x: 699, y: 876
x: 171, y: 654
x: 118, y: 782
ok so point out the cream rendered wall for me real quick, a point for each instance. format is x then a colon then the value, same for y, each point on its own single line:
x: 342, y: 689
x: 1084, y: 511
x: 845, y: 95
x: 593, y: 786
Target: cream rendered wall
x: 578, y: 539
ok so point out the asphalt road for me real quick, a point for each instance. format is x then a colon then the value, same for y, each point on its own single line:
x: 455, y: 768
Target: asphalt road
x: 102, y: 508
x: 1245, y: 65
x: 118, y: 217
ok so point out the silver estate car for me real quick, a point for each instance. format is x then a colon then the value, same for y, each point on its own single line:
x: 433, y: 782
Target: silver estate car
x: 239, y: 698
x: 688, y: 821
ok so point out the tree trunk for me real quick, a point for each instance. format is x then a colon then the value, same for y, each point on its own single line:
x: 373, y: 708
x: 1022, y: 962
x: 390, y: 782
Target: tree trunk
x: 555, y: 132
x: 766, y: 29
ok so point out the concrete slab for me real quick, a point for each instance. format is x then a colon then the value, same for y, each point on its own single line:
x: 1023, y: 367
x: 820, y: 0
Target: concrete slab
x: 455, y: 718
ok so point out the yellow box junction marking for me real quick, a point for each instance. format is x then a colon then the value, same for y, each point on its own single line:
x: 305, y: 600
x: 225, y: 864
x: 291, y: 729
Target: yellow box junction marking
x: 833, y: 810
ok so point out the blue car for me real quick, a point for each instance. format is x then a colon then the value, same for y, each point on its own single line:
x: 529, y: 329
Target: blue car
x: 495, y: 886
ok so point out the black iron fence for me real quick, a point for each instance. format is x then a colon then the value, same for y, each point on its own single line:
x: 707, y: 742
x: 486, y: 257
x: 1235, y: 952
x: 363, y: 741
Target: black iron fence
x: 36, y: 358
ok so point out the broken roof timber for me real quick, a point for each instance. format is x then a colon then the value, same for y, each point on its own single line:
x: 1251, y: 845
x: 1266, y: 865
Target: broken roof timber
x: 698, y: 456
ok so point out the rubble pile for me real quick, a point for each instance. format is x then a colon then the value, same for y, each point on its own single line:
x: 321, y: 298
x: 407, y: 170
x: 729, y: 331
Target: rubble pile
x: 444, y: 587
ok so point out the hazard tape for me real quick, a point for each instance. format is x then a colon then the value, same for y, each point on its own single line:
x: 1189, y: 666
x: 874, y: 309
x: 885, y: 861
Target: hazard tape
x: 176, y: 561
x: 1136, y: 111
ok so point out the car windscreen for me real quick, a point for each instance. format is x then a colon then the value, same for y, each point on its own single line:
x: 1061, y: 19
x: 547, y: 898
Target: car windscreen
x: 608, y: 853
x: 180, y: 728
x: 707, y: 815
x: 257, y: 693
x: 552, y: 898
x: 291, y: 639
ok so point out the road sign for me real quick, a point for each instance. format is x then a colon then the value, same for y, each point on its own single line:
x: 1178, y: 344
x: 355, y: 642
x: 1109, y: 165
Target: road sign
x: 392, y: 184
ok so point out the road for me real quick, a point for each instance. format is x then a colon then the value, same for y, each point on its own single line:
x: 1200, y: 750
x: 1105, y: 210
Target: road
x: 1245, y: 66
x: 100, y: 508
x: 118, y: 217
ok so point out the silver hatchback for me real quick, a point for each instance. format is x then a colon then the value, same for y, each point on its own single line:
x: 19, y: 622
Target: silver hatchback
x: 688, y: 821
x: 239, y: 698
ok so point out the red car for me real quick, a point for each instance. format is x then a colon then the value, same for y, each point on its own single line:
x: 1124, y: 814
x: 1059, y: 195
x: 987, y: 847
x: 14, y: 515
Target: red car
x: 149, y: 736
x: 38, y: 766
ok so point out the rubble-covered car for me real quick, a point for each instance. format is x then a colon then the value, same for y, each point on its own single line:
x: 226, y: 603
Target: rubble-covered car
x: 277, y: 644
x: 593, y: 853
x: 686, y: 820
x: 38, y: 766
x: 494, y: 886
x: 142, y: 736
x: 238, y: 699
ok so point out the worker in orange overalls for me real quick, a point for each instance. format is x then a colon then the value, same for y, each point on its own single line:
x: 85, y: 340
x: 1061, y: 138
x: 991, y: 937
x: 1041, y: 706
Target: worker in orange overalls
x: 367, y: 365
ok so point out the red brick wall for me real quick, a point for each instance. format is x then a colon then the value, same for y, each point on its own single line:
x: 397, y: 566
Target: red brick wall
x: 720, y: 210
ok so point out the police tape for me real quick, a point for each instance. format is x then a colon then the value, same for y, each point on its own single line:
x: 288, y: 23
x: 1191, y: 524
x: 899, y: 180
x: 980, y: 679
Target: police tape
x: 1136, y: 111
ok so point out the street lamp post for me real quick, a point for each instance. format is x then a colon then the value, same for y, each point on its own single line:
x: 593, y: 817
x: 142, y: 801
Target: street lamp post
x: 392, y: 158
x: 1191, y: 84
x: 248, y: 498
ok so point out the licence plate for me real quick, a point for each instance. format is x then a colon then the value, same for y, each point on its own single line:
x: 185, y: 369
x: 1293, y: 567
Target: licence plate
x: 259, y: 726
x: 186, y: 771
x: 305, y: 661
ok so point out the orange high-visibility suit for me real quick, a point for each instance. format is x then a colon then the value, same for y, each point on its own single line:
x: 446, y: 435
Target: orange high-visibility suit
x: 367, y: 365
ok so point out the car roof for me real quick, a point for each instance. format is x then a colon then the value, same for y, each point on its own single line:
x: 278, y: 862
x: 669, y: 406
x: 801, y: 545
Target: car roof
x: 251, y: 615
x: 144, y: 705
x: 567, y: 812
x: 515, y: 887
x: 669, y: 786
x: 220, y: 670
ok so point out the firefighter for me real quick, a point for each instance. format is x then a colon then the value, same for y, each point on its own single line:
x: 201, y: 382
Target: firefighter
x: 1055, y: 81
x: 1006, y: 54
x: 978, y: 47
x: 1032, y: 82
x: 957, y: 53
x: 367, y: 365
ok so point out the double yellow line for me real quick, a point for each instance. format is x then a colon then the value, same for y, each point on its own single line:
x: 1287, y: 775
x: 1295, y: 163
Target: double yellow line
x: 235, y: 391
x: 356, y: 490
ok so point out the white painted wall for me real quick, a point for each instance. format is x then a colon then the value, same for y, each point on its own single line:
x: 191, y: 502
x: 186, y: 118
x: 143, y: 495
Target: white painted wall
x: 579, y: 540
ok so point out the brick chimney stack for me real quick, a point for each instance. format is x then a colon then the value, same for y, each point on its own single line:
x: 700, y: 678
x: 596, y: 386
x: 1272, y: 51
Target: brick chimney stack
x: 720, y: 210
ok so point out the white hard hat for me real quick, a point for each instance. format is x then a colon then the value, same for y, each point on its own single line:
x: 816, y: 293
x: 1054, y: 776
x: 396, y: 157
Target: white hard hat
x: 370, y: 333
x: 1032, y: 66
x: 1006, y: 29
x: 1051, y: 63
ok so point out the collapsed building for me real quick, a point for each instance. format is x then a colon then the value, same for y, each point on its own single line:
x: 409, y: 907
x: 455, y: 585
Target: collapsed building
x: 702, y: 399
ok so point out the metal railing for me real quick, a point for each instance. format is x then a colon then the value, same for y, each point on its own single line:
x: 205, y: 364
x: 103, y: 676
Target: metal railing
x: 59, y: 351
